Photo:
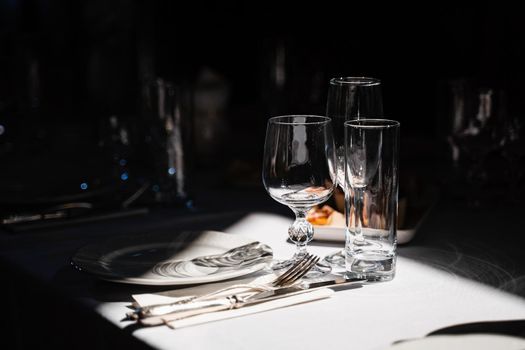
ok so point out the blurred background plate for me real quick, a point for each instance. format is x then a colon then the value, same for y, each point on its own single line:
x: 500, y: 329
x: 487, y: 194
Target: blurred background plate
x: 337, y: 234
x: 410, y: 218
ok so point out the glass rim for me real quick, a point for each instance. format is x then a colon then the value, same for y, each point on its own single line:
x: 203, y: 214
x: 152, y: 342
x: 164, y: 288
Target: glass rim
x: 374, y: 123
x: 288, y: 119
x: 358, y: 81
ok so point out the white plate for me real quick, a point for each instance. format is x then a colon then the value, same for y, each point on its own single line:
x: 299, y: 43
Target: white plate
x: 337, y: 234
x: 178, y: 258
x: 462, y: 342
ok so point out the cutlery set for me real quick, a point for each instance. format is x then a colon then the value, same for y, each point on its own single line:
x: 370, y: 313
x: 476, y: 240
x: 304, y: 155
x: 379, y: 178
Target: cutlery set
x: 283, y: 286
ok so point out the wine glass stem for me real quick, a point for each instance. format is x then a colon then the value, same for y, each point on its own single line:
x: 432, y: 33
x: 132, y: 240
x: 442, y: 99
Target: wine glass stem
x: 301, y: 249
x: 301, y: 232
x: 358, y: 204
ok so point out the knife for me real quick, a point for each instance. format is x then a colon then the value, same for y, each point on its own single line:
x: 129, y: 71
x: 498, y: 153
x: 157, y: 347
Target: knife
x: 191, y: 307
x: 177, y: 320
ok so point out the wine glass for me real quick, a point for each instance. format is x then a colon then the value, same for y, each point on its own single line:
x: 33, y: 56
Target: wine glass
x: 299, y: 171
x: 349, y: 98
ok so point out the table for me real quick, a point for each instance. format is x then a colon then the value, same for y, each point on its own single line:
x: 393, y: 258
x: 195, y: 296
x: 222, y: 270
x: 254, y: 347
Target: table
x: 455, y: 271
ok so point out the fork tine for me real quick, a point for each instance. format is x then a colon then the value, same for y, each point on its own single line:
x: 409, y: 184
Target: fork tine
x: 306, y: 268
x: 291, y: 270
x: 300, y: 270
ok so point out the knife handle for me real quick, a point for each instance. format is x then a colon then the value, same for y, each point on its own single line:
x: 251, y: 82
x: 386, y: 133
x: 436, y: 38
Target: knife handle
x: 192, y: 309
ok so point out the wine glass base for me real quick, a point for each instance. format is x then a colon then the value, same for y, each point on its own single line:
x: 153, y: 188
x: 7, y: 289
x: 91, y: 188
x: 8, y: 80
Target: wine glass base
x: 336, y: 258
x: 319, y: 269
x: 337, y: 262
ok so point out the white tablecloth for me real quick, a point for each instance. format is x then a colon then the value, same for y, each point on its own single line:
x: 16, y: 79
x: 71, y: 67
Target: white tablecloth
x: 419, y: 300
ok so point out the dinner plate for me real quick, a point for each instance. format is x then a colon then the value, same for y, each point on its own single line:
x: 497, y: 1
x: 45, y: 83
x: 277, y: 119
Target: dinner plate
x: 179, y: 258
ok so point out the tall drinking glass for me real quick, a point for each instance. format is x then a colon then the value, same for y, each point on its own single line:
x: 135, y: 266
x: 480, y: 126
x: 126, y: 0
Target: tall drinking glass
x: 299, y: 172
x: 349, y: 98
x: 372, y: 150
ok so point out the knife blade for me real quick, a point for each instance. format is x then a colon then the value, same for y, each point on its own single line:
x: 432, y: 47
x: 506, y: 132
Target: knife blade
x: 192, y: 307
x: 339, y: 281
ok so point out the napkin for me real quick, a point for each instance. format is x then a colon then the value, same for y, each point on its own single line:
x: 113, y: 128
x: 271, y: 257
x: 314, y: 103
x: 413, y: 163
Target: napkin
x: 173, y: 295
x: 171, y: 319
x: 257, y: 279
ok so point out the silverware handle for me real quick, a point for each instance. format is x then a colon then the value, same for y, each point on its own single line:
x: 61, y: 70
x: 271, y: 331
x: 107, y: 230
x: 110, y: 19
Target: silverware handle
x: 191, y: 309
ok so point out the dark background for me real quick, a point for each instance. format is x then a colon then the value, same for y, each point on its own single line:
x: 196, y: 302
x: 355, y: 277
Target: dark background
x: 67, y: 67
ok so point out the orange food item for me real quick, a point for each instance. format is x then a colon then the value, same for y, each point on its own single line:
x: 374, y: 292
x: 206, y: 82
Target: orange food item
x: 320, y: 216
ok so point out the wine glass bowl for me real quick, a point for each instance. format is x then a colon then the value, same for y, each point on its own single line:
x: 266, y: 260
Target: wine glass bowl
x: 299, y: 170
x: 351, y: 98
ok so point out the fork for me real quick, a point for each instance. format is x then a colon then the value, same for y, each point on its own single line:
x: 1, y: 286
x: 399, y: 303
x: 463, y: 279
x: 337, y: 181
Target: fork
x: 293, y: 274
x: 296, y: 271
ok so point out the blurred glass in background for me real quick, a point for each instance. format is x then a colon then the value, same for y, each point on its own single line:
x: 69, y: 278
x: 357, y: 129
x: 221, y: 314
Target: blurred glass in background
x: 167, y: 130
x: 485, y: 142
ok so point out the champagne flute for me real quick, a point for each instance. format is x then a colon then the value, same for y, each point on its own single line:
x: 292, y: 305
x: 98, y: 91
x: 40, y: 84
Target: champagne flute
x: 349, y: 98
x: 299, y: 172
